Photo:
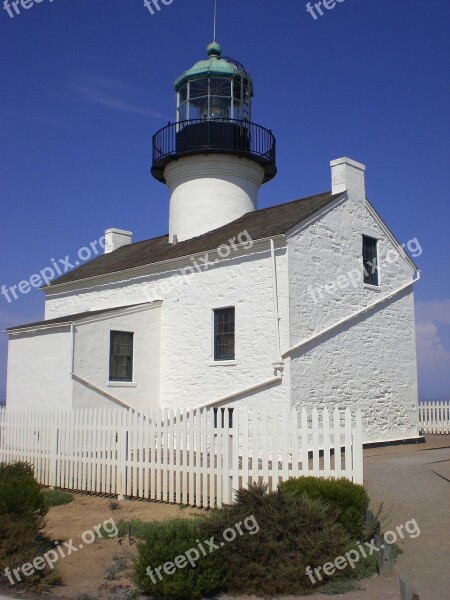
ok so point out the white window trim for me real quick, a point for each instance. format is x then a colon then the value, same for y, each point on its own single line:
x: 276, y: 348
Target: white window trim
x: 369, y: 286
x: 222, y: 363
x: 374, y: 288
x: 231, y: 361
x: 113, y: 382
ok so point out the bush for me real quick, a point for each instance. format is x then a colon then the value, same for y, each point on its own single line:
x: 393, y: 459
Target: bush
x: 139, y: 529
x: 57, y: 497
x: 163, y: 542
x: 22, y: 521
x: 294, y: 532
x: 21, y: 496
x: 349, y: 499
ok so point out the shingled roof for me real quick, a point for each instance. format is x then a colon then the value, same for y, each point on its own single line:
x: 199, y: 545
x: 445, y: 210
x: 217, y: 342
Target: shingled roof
x: 259, y: 224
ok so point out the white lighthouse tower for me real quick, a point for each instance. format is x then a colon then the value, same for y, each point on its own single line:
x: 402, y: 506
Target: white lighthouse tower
x: 213, y: 158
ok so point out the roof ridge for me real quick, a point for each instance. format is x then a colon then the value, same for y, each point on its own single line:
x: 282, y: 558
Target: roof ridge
x: 259, y: 210
x: 262, y: 223
x: 289, y: 202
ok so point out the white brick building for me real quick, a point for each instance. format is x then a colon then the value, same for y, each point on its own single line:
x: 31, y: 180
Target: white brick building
x: 304, y: 303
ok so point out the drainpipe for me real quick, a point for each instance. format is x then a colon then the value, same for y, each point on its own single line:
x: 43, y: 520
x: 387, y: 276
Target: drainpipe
x: 72, y: 347
x: 278, y: 364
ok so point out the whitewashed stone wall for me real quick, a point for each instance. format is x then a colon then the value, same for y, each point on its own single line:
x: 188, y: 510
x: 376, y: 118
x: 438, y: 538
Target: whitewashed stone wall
x: 91, y: 359
x: 208, y: 191
x: 39, y: 366
x: 368, y: 362
x: 188, y: 374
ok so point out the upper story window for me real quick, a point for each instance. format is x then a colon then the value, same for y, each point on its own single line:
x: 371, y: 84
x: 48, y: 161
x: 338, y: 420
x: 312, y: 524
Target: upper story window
x: 370, y: 260
x: 121, y: 356
x: 224, y: 334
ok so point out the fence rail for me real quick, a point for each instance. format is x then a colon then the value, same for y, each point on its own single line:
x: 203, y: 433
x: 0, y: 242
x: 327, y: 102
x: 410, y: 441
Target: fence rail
x: 434, y: 417
x: 195, y: 457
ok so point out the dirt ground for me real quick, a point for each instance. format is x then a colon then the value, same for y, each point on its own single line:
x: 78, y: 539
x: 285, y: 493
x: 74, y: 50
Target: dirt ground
x: 84, y: 571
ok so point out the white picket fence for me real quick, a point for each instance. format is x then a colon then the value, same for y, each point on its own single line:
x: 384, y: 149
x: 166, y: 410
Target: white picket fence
x: 434, y: 417
x: 195, y: 457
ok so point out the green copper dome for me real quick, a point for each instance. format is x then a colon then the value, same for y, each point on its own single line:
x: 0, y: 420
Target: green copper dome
x: 213, y: 66
x: 214, y: 49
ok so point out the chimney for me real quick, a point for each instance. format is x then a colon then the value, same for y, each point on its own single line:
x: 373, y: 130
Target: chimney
x: 116, y: 238
x: 348, y: 175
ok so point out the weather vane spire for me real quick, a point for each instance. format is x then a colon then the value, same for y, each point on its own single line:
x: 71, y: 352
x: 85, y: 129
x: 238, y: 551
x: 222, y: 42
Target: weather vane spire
x: 215, y: 20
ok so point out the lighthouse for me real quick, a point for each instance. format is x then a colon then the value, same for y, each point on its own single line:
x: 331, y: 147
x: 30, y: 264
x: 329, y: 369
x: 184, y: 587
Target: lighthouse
x: 213, y: 158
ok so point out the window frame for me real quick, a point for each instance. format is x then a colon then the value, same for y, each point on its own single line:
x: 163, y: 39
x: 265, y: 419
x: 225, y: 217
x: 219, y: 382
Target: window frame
x: 217, y: 356
x: 129, y: 377
x: 371, y: 278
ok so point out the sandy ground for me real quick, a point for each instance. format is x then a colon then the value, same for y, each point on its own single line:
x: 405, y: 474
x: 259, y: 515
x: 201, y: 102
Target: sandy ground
x: 84, y: 571
x: 412, y: 481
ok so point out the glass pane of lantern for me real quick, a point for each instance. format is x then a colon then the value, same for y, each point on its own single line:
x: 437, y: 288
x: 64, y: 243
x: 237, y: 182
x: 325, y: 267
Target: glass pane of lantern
x: 237, y: 91
x: 198, y: 88
x: 182, y: 112
x: 183, y: 93
x: 217, y: 108
x: 221, y: 87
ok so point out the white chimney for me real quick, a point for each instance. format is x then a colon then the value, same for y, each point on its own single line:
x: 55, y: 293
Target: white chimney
x: 348, y: 175
x: 116, y: 238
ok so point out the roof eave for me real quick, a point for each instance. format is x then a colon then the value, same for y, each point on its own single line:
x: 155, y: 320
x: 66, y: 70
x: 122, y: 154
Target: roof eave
x: 150, y: 268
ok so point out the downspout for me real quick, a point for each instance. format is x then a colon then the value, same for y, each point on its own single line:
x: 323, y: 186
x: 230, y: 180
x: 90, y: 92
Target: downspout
x: 72, y: 348
x: 279, y: 362
x: 352, y: 316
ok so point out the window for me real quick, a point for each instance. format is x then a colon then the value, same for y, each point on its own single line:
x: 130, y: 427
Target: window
x: 121, y: 356
x: 224, y: 334
x: 370, y: 260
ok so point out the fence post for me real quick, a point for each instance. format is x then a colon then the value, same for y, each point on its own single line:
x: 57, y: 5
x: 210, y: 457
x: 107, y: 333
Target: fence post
x: 407, y: 590
x: 372, y: 523
x: 358, y: 461
x: 227, y: 456
x: 123, y: 456
x: 385, y: 558
x: 234, y: 458
x: 53, y: 458
x: 53, y: 451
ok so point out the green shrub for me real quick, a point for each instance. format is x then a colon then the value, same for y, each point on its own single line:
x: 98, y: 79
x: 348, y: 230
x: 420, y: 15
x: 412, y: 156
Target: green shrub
x: 57, y: 497
x: 21, y: 495
x: 349, y: 499
x: 22, y: 521
x: 163, y: 542
x: 139, y: 529
x: 364, y: 569
x: 294, y: 532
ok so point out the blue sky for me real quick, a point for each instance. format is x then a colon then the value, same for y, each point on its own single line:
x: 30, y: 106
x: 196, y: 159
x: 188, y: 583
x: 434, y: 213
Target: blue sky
x: 85, y: 84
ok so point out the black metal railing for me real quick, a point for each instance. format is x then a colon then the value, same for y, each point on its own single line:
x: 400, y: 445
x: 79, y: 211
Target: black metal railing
x: 215, y: 136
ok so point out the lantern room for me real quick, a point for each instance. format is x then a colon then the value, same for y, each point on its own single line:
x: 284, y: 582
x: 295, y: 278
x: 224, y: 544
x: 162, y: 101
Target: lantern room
x: 213, y: 116
x: 216, y: 88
